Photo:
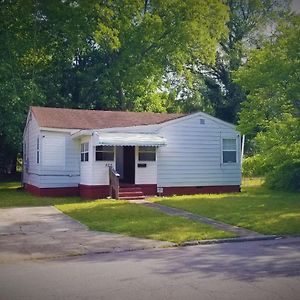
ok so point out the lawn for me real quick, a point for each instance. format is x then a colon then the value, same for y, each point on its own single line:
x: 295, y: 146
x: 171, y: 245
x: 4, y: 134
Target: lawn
x: 255, y: 208
x: 115, y: 216
x: 11, y: 195
x: 138, y: 221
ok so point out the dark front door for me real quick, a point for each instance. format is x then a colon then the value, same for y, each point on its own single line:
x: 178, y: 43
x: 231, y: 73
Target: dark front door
x: 129, y: 164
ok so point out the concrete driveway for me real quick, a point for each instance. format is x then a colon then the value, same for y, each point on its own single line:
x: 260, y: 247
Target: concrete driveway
x: 45, y: 232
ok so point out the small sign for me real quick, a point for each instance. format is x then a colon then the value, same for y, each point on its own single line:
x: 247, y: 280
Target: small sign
x: 160, y: 190
x: 108, y: 165
x: 142, y: 165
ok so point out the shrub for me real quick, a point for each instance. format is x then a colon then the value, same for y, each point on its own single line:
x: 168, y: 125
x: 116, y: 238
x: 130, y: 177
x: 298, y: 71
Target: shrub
x: 284, y: 177
x: 253, y: 166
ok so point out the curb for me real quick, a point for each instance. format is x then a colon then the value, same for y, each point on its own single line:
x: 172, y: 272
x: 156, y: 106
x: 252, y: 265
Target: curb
x: 230, y: 240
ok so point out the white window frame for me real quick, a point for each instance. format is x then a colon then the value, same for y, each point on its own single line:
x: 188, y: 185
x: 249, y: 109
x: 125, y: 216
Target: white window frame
x: 84, y: 149
x: 236, y: 150
x: 38, y: 150
x: 147, y: 151
x: 104, y: 151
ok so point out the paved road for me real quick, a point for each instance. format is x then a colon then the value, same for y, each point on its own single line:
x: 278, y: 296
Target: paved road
x: 267, y: 270
x: 45, y: 232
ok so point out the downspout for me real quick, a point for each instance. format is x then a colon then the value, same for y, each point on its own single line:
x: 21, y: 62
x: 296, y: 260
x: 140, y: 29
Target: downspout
x: 243, y: 147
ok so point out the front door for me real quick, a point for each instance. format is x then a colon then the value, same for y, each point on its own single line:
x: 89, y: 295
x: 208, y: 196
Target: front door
x: 129, y: 164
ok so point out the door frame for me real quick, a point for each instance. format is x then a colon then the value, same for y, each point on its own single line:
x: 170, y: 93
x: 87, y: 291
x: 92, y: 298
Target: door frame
x: 129, y: 164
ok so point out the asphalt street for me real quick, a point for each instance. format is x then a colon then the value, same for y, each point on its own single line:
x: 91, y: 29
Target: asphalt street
x: 247, y: 270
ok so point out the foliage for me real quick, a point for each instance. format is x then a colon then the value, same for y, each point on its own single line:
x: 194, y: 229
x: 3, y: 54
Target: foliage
x: 255, y: 208
x: 272, y: 110
x: 280, y: 147
x: 247, y: 25
x: 253, y: 166
x: 98, y: 54
x: 286, y: 176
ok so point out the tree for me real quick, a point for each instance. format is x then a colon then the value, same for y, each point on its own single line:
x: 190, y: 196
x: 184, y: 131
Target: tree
x: 104, y: 54
x: 249, y: 24
x: 272, y: 110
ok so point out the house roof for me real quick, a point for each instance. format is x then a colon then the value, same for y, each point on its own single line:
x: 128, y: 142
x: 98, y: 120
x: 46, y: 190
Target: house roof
x: 96, y: 119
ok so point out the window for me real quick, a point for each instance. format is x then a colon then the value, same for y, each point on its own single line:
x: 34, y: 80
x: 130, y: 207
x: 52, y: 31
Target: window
x: 85, y: 152
x: 229, y: 151
x: 104, y: 153
x: 54, y: 151
x: 147, y: 153
x: 38, y: 150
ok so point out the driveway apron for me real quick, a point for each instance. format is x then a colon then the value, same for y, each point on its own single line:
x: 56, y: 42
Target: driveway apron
x: 45, y: 232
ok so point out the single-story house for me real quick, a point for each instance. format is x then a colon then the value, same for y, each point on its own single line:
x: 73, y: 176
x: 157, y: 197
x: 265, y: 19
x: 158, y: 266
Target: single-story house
x: 96, y: 154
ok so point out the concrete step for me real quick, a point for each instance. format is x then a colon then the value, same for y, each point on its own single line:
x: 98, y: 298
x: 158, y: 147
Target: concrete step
x: 129, y: 194
x: 130, y: 189
x: 132, y: 198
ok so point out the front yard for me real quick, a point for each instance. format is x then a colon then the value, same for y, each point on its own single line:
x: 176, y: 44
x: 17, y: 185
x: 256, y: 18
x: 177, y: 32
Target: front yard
x: 139, y: 221
x: 11, y: 195
x: 256, y: 208
x: 115, y: 216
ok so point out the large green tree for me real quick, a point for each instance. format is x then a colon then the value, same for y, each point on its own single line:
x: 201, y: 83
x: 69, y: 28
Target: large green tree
x: 250, y: 23
x: 104, y: 54
x: 272, y: 110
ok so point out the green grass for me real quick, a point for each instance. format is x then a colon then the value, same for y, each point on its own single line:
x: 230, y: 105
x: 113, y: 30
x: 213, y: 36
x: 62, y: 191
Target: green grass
x: 255, y: 208
x: 11, y: 195
x: 114, y: 216
x: 138, y: 221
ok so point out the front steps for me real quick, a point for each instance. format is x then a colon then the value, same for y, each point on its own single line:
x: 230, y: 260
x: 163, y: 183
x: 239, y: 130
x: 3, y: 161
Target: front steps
x: 131, y: 193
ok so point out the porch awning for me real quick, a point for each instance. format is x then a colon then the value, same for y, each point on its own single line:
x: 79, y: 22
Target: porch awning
x: 128, y: 139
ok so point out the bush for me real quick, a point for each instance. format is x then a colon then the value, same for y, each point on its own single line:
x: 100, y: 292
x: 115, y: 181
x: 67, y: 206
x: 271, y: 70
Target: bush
x: 253, y: 166
x: 285, y: 177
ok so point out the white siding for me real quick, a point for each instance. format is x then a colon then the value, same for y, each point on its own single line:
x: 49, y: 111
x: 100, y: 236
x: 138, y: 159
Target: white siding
x: 193, y: 154
x: 192, y: 157
x: 59, y: 158
x: 94, y: 172
x: 32, y: 133
x: 146, y: 175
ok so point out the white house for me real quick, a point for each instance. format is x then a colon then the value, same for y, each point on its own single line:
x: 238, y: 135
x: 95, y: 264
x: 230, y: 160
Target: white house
x: 95, y: 154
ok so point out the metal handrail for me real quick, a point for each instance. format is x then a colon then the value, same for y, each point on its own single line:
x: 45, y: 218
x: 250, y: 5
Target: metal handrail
x: 114, y: 183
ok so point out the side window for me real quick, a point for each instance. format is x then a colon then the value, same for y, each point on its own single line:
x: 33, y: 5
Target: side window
x: 229, y: 151
x: 104, y: 153
x: 84, y: 155
x: 147, y: 153
x: 38, y: 150
x: 54, y: 151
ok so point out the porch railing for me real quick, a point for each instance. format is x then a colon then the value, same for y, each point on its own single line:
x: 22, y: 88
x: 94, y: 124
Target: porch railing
x: 114, y: 183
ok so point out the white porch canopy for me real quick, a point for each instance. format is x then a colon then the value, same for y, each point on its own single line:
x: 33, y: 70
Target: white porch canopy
x: 128, y: 139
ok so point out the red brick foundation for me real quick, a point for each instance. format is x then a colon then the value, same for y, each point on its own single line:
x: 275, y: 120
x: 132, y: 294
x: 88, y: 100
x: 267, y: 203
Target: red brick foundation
x: 93, y: 191
x: 191, y: 190
x: 102, y: 191
x: 148, y: 189
x: 52, y: 192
